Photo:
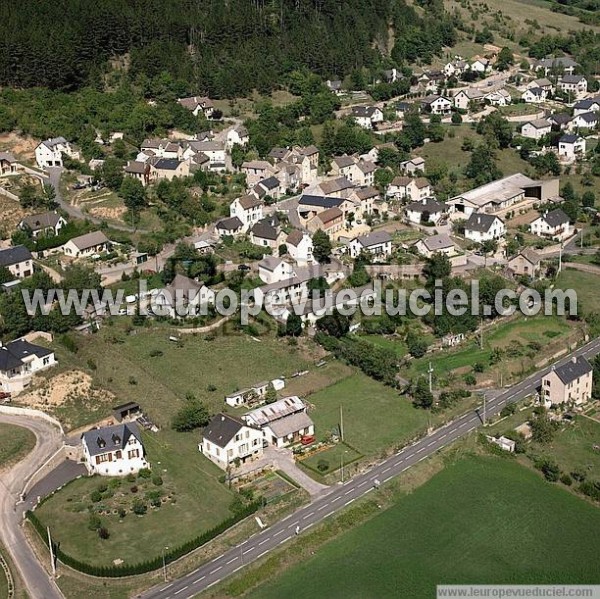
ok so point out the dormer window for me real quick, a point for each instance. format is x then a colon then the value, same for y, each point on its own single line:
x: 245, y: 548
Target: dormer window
x: 116, y: 439
x: 101, y: 442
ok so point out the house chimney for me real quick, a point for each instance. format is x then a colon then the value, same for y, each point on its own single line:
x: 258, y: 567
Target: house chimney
x: 574, y: 360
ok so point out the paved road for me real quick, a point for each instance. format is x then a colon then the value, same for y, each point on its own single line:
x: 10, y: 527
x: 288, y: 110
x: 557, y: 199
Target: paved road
x: 48, y: 440
x: 341, y: 496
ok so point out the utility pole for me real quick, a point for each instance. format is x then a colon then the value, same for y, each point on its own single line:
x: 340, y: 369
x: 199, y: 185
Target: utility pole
x: 52, y: 562
x: 430, y: 372
x: 341, y: 424
x: 164, y: 563
x: 481, y: 334
x: 484, y: 408
x: 560, y: 258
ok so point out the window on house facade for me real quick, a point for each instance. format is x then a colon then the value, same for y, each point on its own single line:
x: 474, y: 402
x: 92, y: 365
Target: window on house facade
x: 133, y: 453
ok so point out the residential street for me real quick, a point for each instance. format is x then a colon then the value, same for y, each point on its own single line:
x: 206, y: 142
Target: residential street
x: 343, y: 495
x: 48, y: 440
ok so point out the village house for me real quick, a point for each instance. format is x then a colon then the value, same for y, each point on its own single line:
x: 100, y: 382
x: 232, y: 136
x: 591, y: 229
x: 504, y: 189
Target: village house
x: 335, y: 86
x: 436, y: 104
x: 406, y: 188
x: 283, y: 423
x: 49, y: 152
x: 159, y: 148
x: 571, y: 147
x: 237, y: 136
x: 339, y: 187
x: 267, y: 233
x: 213, y: 150
x: 197, y: 105
x: 536, y: 129
x: 227, y: 441
x: 560, y: 64
x: 432, y: 80
x: 19, y: 361
x: 456, y: 67
x: 273, y: 270
x: 413, y: 167
x: 573, y: 85
x: 584, y: 120
x: 87, y: 245
x: 8, y: 164
x: 436, y: 244
x: 367, y: 116
x: 183, y: 298
x: 588, y: 105
x: 534, y: 95
x: 138, y: 170
x: 168, y: 168
x: 18, y: 260
x: 229, y: 227
x: 256, y: 170
x: 330, y: 221
x: 526, y: 263
x: 484, y: 227
x: 427, y: 210
x: 560, y: 121
x: 543, y: 83
x: 378, y: 244
x: 554, y: 225
x: 300, y: 247
x: 364, y: 198
x: 309, y: 205
x: 499, y: 97
x: 114, y: 450
x: 46, y: 223
x: 570, y: 383
x: 501, y: 194
x: 271, y: 186
x: 248, y: 209
x: 467, y: 98
x: 480, y: 65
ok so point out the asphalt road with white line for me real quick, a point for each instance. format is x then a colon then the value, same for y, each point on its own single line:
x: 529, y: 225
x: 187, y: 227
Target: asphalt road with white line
x: 342, y: 496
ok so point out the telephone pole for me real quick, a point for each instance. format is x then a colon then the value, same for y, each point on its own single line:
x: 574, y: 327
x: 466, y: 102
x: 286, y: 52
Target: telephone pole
x: 430, y: 372
x: 341, y: 424
x: 52, y: 562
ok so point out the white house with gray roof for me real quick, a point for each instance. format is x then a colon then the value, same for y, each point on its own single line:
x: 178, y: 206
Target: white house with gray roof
x: 19, y: 361
x: 45, y: 223
x: 554, y: 225
x: 367, y: 116
x: 114, y: 450
x: 482, y: 227
x: 436, y: 244
x: 569, y: 383
x: 87, y: 245
x: 227, y: 440
x: 18, y: 260
x: 49, y: 152
x: 377, y: 243
x: 423, y: 211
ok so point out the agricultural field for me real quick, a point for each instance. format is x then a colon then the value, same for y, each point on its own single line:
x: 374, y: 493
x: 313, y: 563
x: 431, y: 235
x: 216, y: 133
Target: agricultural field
x: 193, y: 501
x: 455, y: 529
x: 15, y: 443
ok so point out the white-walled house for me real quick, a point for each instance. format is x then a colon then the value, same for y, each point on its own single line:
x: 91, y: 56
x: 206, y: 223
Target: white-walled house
x: 367, y: 116
x: 227, y: 440
x: 114, y: 450
x: 300, y: 247
x: 19, y: 361
x: 583, y: 120
x: 536, y: 129
x: 49, y: 152
x: 282, y: 423
x: 87, y: 245
x: 237, y: 136
x: 407, y: 188
x: 437, y: 104
x: 574, y: 85
x: 425, y: 210
x: 534, y: 95
x: 377, y: 243
x: 197, y: 105
x: 273, y: 270
x: 18, y: 260
x: 248, y: 208
x: 46, y: 223
x: 183, y: 297
x: 482, y: 227
x: 436, y: 244
x: 554, y: 225
x: 588, y: 105
x: 465, y: 98
x: 571, y: 147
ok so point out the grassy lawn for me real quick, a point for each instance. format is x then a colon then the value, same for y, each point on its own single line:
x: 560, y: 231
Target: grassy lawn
x: 336, y: 456
x: 375, y: 416
x: 197, y: 502
x: 208, y: 367
x: 585, y: 284
x: 393, y: 343
x: 456, y: 529
x: 541, y: 329
x: 518, y: 109
x: 449, y: 151
x: 15, y: 443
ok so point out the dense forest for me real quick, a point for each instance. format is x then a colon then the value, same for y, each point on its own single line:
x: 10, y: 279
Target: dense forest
x: 224, y: 49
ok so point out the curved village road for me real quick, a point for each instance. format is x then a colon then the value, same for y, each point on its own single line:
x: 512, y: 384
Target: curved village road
x: 343, y: 495
x: 48, y: 440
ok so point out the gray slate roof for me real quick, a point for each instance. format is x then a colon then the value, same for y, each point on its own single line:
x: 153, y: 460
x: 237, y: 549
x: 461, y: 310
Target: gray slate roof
x: 37, y: 222
x: 12, y: 354
x: 110, y: 438
x: 556, y: 218
x: 479, y: 221
x: 14, y: 255
x: 374, y: 238
x: 320, y: 201
x: 222, y: 428
x: 571, y: 371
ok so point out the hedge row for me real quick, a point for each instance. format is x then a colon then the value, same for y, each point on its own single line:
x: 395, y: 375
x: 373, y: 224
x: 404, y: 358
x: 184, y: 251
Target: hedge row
x: 150, y: 565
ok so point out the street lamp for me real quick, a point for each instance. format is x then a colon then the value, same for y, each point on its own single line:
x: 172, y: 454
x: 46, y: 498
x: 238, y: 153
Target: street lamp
x: 164, y: 563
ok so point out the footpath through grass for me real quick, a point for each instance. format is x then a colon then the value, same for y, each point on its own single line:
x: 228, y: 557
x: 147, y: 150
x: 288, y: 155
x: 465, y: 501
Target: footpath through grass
x: 15, y: 443
x: 482, y: 520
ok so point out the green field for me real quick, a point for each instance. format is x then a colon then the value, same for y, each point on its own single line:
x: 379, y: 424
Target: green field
x: 585, y: 284
x: 200, y: 503
x: 481, y: 520
x: 375, y: 416
x: 541, y: 329
x: 15, y: 443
